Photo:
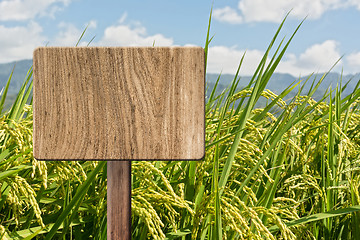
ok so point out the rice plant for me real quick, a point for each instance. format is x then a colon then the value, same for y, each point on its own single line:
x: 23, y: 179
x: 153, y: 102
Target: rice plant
x: 288, y: 170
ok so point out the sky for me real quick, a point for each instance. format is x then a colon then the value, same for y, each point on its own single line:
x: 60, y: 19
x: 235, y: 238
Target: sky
x: 329, y: 32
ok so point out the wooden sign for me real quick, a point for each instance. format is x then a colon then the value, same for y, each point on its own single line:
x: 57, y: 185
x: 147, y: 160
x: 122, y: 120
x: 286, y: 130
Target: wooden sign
x: 119, y: 103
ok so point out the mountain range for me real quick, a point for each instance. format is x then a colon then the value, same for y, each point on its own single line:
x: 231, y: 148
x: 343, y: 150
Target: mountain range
x: 277, y: 82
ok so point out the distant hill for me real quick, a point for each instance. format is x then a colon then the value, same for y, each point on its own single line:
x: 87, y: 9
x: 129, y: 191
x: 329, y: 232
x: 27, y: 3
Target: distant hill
x: 17, y: 79
x: 21, y: 68
x: 277, y: 83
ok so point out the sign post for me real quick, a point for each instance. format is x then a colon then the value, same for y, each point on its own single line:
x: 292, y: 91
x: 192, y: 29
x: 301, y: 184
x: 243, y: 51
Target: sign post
x: 119, y: 104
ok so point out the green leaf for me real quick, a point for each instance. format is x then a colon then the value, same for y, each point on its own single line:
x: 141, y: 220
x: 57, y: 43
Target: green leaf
x: 13, y: 171
x: 80, y: 193
x: 4, y: 92
x: 318, y: 216
x: 178, y: 234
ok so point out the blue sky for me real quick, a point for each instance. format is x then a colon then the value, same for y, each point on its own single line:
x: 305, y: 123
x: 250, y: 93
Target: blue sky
x: 330, y: 30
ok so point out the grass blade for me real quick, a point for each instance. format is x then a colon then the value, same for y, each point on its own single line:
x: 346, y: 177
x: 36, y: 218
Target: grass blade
x: 319, y: 216
x: 80, y: 193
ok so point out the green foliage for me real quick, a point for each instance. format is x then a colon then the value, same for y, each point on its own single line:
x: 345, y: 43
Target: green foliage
x: 41, y: 199
x: 284, y: 171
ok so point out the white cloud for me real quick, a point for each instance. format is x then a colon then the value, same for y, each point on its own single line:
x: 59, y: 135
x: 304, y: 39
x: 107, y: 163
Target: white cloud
x: 226, y: 60
x: 22, y: 10
x: 275, y: 11
x: 316, y: 58
x: 355, y: 3
x: 322, y: 55
x: 18, y: 43
x: 353, y: 62
x: 227, y: 14
x: 68, y: 35
x: 136, y: 35
x: 92, y: 24
x: 120, y: 34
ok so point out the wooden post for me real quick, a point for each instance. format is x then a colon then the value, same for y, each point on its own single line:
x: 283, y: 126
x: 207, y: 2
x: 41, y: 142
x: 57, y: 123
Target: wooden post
x: 119, y: 104
x: 119, y: 200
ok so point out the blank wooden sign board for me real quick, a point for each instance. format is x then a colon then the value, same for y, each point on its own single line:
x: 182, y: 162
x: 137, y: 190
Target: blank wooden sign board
x: 119, y: 103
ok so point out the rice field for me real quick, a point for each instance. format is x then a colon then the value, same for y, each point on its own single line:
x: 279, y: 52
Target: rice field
x: 289, y: 170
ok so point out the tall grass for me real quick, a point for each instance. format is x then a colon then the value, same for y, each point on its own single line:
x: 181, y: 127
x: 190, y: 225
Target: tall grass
x: 289, y: 170
x: 44, y: 199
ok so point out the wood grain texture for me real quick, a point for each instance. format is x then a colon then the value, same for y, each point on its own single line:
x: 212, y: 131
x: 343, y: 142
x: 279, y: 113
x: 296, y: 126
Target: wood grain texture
x: 119, y: 103
x: 119, y: 200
